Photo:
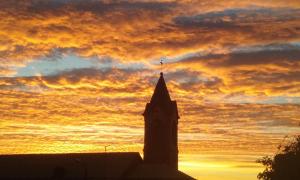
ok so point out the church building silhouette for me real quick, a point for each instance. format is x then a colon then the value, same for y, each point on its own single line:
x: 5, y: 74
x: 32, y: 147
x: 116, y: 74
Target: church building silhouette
x: 160, y: 152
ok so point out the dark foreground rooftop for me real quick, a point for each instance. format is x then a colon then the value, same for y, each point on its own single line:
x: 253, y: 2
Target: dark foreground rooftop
x: 83, y: 166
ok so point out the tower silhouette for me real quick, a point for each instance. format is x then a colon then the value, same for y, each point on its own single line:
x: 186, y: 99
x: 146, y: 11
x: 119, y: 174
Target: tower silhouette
x: 161, y: 120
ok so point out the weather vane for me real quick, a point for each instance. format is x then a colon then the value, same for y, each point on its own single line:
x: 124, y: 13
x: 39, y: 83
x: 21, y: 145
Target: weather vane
x: 161, y: 64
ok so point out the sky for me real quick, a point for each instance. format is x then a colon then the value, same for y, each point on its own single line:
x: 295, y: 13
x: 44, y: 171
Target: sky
x: 75, y: 76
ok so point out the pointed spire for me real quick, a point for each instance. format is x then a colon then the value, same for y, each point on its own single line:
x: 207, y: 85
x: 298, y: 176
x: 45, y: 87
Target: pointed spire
x: 161, y: 93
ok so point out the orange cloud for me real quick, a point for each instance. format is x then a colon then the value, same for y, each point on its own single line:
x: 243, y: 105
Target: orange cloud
x: 232, y: 66
x: 255, y: 71
x: 134, y: 31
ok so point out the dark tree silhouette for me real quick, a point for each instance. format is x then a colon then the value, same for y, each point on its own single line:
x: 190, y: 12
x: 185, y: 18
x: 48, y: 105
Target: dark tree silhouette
x: 285, y: 165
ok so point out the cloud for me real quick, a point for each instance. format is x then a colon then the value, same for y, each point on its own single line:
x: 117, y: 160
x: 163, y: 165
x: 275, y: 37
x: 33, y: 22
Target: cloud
x: 137, y: 31
x: 232, y: 66
x: 234, y: 27
x: 272, y: 70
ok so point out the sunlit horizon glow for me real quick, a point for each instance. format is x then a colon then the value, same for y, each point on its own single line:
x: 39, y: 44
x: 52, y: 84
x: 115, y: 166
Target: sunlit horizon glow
x: 75, y: 76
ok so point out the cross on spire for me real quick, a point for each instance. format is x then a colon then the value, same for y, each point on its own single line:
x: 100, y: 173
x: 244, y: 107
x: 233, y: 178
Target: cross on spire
x: 161, y: 64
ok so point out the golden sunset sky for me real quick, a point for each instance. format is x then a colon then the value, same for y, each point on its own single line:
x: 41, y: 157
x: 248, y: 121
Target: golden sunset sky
x: 75, y: 76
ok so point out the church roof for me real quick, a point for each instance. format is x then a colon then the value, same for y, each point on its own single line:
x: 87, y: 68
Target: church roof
x: 119, y: 165
x: 161, y: 93
x: 68, y: 166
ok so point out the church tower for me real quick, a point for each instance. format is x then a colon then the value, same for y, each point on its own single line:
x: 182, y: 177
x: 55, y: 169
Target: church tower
x: 161, y: 119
